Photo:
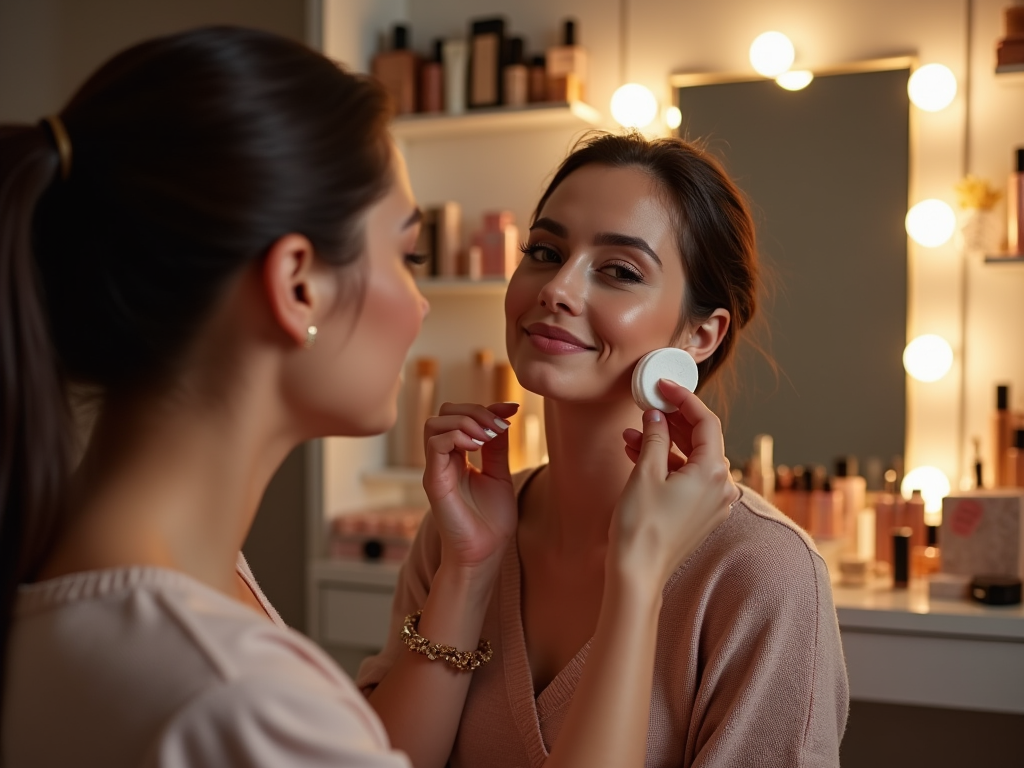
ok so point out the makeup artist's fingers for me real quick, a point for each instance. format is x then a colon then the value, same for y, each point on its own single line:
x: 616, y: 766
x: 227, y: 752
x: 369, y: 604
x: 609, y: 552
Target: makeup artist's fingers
x: 634, y: 439
x: 695, y: 418
x: 489, y: 421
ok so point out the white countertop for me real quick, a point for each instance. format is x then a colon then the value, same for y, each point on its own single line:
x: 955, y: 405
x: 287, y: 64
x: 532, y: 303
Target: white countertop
x: 880, y: 608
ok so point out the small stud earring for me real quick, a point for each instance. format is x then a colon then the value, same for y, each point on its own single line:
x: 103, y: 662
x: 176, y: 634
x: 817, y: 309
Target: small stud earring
x: 310, y: 336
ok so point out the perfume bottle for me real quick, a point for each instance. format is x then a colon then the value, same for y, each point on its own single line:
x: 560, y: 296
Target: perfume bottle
x: 567, y: 67
x: 396, y: 70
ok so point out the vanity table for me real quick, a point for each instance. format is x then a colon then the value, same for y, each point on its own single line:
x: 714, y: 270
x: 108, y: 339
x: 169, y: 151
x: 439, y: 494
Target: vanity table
x: 900, y: 647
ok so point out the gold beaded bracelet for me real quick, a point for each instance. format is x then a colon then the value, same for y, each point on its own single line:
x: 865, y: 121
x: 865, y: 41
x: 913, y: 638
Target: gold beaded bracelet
x: 464, y: 661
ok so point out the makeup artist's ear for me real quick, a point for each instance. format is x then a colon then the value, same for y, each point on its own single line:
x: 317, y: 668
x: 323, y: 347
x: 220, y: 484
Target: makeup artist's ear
x: 706, y: 337
x: 298, y: 288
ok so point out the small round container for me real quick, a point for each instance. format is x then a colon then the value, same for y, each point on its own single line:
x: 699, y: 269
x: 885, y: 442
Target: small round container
x: 996, y: 590
x: 669, y: 363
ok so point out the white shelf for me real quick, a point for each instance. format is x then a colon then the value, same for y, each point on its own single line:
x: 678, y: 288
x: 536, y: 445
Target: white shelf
x: 438, y: 287
x: 574, y: 114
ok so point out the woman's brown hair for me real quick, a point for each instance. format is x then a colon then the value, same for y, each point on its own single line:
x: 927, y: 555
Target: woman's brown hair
x: 190, y: 156
x: 713, y: 224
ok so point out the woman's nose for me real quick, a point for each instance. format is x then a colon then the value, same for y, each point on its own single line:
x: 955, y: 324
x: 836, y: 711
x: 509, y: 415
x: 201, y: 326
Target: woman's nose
x: 564, y: 292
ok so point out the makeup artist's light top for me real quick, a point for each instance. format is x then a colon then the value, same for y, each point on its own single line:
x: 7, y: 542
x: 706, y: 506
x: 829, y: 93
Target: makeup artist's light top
x: 748, y: 668
x: 669, y: 363
x: 149, y: 667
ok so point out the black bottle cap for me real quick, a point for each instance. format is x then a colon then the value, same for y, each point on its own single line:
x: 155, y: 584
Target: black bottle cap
x: 932, y: 532
x: 400, y: 37
x: 539, y: 61
x: 515, y: 50
x: 901, y: 556
x: 1020, y: 159
x: 569, y: 36
x: 1018, y: 439
x: 1003, y: 397
x: 846, y: 466
x: 996, y: 590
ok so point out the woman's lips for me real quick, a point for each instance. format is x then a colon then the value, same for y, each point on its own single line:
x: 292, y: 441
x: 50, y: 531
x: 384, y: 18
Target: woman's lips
x: 554, y: 340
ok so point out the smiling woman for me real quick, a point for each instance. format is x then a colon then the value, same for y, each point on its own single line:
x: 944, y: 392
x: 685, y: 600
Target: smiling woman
x: 721, y: 654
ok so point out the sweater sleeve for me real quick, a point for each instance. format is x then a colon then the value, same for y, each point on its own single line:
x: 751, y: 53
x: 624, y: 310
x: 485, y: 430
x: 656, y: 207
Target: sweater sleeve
x: 773, y: 688
x: 266, y: 722
x: 414, y: 580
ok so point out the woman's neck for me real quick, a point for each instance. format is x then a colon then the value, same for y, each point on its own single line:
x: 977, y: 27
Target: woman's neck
x: 587, y: 471
x: 172, y: 482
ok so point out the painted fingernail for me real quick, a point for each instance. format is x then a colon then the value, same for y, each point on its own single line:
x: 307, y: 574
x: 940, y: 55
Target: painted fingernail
x: 502, y: 425
x: 490, y: 433
x: 478, y: 442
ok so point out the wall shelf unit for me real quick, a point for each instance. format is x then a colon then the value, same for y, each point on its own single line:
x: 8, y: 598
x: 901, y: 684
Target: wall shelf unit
x: 497, y: 120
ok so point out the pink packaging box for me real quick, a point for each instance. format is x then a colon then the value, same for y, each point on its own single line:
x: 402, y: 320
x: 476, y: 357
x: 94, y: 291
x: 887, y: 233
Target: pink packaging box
x: 983, y: 532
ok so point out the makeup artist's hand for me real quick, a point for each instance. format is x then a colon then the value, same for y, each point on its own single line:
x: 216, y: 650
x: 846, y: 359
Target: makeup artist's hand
x: 672, y: 501
x: 475, y: 509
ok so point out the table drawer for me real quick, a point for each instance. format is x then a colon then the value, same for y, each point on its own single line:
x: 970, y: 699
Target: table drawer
x: 356, y: 617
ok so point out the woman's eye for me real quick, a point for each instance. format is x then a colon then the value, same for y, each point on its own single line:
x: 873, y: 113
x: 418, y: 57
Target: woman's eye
x: 416, y: 259
x: 624, y: 272
x: 540, y: 253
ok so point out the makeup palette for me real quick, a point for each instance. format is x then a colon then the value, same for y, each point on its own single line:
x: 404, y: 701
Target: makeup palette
x: 669, y: 363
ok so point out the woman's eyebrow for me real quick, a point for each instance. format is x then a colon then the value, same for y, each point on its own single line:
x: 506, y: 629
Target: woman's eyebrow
x: 626, y: 241
x: 414, y: 218
x: 552, y: 226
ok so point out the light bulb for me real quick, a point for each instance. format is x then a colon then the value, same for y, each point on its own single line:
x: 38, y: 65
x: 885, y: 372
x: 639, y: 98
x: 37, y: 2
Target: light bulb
x: 634, y: 106
x: 928, y: 357
x: 771, y: 54
x: 795, y: 79
x: 932, y: 87
x: 931, y: 482
x: 931, y: 223
x: 673, y: 117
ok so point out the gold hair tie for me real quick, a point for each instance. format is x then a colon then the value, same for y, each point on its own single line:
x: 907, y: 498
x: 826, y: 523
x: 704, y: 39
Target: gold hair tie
x: 63, y: 142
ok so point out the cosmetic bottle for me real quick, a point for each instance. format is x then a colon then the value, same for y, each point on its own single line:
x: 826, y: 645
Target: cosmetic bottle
x: 979, y: 473
x: 517, y: 75
x: 762, y: 470
x: 487, y: 44
x: 1015, y: 207
x: 396, y: 70
x: 783, y: 489
x: 481, y: 388
x: 1015, y: 459
x: 448, y: 238
x: 483, y: 377
x: 538, y: 79
x: 421, y: 388
x: 901, y: 557
x: 885, y: 520
x: 567, y: 67
x: 854, y: 488
x: 499, y: 244
x: 455, y: 57
x: 1002, y: 434
x: 508, y: 390
x: 913, y: 518
x: 800, y: 501
x: 927, y: 560
x: 473, y: 262
x: 432, y: 81
x: 826, y: 512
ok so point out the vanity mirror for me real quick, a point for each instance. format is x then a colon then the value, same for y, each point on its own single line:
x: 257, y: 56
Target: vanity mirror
x: 826, y: 169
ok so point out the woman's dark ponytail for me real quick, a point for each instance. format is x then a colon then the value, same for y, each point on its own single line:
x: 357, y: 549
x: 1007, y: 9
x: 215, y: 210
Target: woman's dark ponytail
x: 35, y: 428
